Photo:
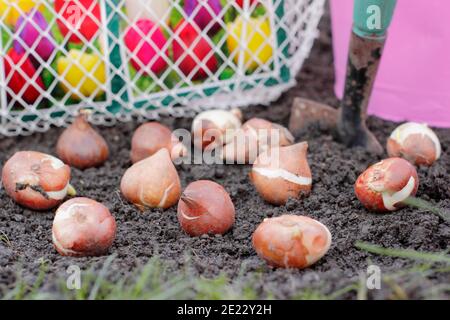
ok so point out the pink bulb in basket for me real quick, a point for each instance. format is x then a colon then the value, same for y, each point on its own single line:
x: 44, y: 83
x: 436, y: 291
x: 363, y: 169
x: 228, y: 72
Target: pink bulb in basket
x: 192, y: 52
x: 204, y: 13
x: 34, y: 35
x: 145, y: 42
x: 21, y: 76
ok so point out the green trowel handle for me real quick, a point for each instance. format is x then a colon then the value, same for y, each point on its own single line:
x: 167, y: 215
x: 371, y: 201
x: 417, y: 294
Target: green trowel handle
x: 371, y: 18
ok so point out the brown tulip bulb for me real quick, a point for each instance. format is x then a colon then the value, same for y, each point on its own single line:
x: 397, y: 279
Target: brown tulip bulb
x: 152, y: 182
x: 255, y: 137
x: 383, y: 186
x: 83, y: 227
x: 215, y: 127
x: 416, y: 143
x: 152, y: 137
x: 282, y: 173
x: 291, y: 241
x: 205, y: 208
x: 81, y: 146
x: 36, y: 180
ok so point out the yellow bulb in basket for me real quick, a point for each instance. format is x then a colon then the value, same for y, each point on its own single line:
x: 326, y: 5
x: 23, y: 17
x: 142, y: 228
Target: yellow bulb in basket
x: 251, y: 40
x: 82, y: 73
x: 11, y: 10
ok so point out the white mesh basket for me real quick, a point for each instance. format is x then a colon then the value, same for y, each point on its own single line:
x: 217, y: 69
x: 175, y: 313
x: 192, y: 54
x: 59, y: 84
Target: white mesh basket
x: 146, y: 57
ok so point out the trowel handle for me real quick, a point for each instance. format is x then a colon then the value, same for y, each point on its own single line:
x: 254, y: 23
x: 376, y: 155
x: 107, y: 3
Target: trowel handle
x: 371, y: 18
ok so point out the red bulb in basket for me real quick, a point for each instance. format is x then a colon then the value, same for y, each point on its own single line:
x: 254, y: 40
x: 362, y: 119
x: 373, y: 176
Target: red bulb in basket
x: 22, y: 77
x: 80, y: 19
x: 192, y: 52
x: 145, y: 42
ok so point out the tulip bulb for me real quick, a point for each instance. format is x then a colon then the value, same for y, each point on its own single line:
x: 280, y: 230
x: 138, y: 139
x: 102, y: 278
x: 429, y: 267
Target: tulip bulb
x: 152, y: 182
x: 151, y: 137
x: 282, y: 173
x: 145, y: 42
x: 215, y: 127
x: 205, y: 208
x: 291, y: 241
x: 83, y: 227
x: 255, y: 137
x: 36, y: 180
x: 416, y: 143
x: 81, y: 146
x: 385, y: 185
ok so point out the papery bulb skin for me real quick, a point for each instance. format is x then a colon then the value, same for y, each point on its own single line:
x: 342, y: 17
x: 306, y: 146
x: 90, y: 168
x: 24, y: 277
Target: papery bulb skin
x: 205, y: 207
x: 200, y: 59
x: 383, y: 186
x: 36, y: 36
x: 82, y: 147
x: 416, y: 143
x: 256, y: 136
x: 282, y: 173
x: 152, y: 182
x: 150, y: 137
x: 145, y: 42
x: 36, y: 180
x: 205, y: 14
x: 215, y: 127
x: 21, y: 73
x: 87, y: 22
x: 291, y: 241
x: 83, y: 227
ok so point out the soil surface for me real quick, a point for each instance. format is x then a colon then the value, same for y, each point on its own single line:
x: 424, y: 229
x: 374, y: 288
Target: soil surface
x: 155, y: 232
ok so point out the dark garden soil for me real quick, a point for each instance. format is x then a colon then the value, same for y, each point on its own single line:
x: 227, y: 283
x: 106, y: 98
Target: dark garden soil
x: 155, y: 232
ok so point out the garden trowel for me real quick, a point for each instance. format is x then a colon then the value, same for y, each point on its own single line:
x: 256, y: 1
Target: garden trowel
x: 371, y: 19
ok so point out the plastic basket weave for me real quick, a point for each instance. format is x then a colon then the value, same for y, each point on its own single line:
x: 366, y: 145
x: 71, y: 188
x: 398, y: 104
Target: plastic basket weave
x: 125, y: 58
